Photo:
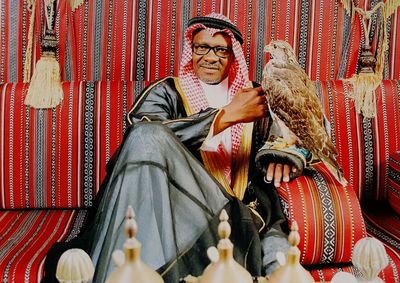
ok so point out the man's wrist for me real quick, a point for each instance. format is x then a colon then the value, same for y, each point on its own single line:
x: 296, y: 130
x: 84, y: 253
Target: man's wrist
x: 222, y: 121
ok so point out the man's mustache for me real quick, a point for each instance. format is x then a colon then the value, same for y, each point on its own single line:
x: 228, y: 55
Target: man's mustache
x: 209, y: 66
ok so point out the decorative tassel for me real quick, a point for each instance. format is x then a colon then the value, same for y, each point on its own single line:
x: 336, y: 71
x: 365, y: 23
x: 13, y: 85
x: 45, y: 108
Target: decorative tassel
x: 390, y: 7
x: 363, y: 92
x: 45, y: 89
x: 75, y: 3
x: 348, y: 6
x: 369, y: 78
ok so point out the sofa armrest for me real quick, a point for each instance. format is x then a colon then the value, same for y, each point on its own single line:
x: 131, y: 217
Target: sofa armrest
x: 328, y: 214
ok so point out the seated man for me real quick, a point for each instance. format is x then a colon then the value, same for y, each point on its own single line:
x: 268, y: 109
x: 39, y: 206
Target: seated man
x: 188, y: 154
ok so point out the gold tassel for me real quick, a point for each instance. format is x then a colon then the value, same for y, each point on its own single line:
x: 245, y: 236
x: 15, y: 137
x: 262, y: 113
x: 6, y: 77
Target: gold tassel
x: 45, y: 89
x: 365, y: 83
x: 363, y: 92
x: 390, y: 7
x: 348, y: 6
x: 75, y: 3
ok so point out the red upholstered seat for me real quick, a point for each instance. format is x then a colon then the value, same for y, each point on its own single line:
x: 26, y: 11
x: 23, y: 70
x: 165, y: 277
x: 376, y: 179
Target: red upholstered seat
x: 329, y: 216
x: 52, y: 163
x: 393, y: 187
x: 325, y: 273
x: 27, y: 235
x: 56, y: 158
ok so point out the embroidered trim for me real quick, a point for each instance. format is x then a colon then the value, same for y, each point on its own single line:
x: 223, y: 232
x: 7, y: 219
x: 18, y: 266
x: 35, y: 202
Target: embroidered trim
x: 241, y: 167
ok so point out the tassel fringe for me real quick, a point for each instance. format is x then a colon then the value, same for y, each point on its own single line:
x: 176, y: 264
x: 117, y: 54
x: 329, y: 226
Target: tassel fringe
x: 45, y: 89
x: 363, y: 92
x: 75, y: 3
x: 364, y: 84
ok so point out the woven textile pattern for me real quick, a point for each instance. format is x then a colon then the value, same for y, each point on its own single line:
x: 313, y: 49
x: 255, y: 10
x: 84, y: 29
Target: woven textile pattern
x: 116, y: 39
x: 61, y: 153
x: 328, y: 214
x: 394, y: 182
x: 364, y: 145
x: 389, y: 274
x: 110, y: 49
x: 26, y: 237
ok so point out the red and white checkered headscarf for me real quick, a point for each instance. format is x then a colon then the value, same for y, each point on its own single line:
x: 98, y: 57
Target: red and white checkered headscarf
x: 238, y: 74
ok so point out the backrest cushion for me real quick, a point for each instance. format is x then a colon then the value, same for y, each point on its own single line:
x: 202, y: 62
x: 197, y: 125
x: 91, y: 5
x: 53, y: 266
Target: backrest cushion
x: 56, y: 158
x: 364, y: 144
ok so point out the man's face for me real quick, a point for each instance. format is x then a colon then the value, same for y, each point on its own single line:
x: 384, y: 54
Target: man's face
x: 211, y: 68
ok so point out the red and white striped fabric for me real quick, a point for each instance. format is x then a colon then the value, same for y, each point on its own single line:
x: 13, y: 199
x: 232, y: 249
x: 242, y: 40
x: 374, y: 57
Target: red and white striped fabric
x: 364, y: 145
x: 393, y: 189
x: 26, y: 237
x: 329, y: 216
x: 56, y: 158
x: 388, y: 274
x: 116, y: 39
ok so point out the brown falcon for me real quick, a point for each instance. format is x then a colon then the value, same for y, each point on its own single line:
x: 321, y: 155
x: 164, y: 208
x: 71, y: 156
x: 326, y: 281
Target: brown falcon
x: 295, y: 107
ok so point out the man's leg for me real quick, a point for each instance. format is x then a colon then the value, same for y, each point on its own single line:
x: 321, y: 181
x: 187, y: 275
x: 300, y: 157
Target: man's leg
x: 273, y: 241
x: 173, y: 196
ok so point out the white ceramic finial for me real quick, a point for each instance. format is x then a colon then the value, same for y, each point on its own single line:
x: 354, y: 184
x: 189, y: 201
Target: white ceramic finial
x: 343, y: 277
x: 370, y: 257
x: 74, y: 266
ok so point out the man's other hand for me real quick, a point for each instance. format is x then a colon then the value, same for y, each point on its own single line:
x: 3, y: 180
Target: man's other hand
x: 278, y: 173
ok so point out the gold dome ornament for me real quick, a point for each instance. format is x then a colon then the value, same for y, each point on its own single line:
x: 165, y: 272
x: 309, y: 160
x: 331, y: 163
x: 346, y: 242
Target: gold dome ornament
x: 74, y: 266
x: 292, y: 271
x: 223, y: 268
x: 370, y: 257
x: 130, y: 267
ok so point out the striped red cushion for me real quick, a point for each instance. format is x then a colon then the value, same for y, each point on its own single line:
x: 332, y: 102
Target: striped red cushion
x: 389, y: 274
x: 364, y: 145
x: 27, y: 235
x: 393, y: 188
x: 328, y: 214
x: 57, y: 157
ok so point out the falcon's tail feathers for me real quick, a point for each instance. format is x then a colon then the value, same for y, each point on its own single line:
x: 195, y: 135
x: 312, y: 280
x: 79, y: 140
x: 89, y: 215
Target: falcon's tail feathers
x: 335, y: 169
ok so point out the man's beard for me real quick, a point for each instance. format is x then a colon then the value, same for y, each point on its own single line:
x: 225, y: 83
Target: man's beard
x: 211, y: 81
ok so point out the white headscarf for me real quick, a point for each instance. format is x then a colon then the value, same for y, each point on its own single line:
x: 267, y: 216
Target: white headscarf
x: 190, y: 83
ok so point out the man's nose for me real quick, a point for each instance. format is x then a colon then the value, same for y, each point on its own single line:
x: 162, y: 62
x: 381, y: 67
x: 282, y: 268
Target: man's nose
x: 211, y: 56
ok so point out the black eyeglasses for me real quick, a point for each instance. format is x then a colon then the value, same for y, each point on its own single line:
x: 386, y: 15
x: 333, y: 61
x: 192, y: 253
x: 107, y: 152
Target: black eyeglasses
x: 220, y: 51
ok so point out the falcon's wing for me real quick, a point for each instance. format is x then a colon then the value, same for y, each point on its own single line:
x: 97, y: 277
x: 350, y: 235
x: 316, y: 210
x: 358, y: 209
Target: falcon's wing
x: 297, y: 105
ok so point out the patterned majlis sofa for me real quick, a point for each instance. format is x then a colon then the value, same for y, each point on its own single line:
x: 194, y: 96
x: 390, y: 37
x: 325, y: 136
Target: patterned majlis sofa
x: 53, y: 161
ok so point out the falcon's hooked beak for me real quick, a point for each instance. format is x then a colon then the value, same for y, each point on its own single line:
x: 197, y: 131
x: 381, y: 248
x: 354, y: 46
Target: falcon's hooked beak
x: 270, y: 49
